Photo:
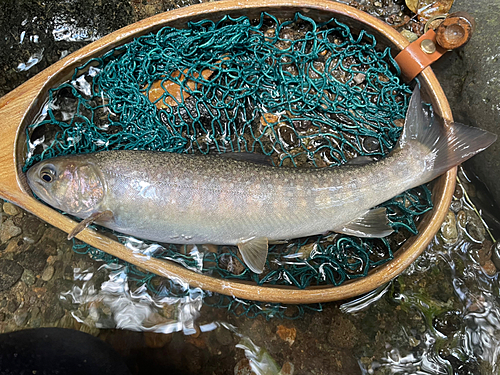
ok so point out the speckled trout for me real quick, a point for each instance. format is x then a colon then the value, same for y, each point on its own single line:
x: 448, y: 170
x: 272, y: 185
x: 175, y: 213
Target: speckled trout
x: 199, y: 199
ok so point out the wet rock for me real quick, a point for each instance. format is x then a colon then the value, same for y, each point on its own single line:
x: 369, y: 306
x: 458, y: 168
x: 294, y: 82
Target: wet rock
x: 47, y: 273
x: 475, y: 229
x: 224, y: 336
x: 471, y: 81
x: 53, y: 311
x: 17, y: 246
x: 28, y: 277
x: 12, y: 305
x: 243, y: 368
x: 10, y: 273
x: 489, y: 268
x: 448, y: 322
x: 21, y: 317
x: 34, y: 260
x: 8, y: 230
x: 287, y: 334
x: 449, y: 230
x: 68, y: 273
x: 156, y: 340
x: 485, y: 252
x: 456, y: 206
x: 10, y: 209
x: 33, y: 228
x: 462, y: 218
x: 287, y: 369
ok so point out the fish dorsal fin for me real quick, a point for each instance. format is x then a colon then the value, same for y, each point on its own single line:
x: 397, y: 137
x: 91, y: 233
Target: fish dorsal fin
x: 254, y: 253
x: 250, y: 157
x: 96, y: 216
x: 373, y: 224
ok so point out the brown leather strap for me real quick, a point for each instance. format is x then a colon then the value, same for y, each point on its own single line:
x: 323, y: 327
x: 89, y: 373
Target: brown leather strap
x: 419, y: 55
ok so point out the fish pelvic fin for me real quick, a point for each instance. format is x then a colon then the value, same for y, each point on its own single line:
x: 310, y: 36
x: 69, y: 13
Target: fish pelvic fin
x: 254, y: 253
x: 101, y: 216
x: 446, y: 148
x: 372, y: 224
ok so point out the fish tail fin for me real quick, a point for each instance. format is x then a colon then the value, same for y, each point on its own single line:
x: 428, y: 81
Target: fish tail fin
x: 445, y: 148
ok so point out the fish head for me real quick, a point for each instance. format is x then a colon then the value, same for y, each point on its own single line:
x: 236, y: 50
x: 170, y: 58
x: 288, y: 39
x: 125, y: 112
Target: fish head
x: 72, y: 184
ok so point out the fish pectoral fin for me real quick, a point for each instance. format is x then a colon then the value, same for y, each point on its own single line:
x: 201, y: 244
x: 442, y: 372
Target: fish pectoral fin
x: 373, y: 224
x: 101, y: 216
x: 254, y: 253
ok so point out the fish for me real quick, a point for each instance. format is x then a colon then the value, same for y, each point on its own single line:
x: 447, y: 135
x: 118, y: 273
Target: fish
x: 209, y: 199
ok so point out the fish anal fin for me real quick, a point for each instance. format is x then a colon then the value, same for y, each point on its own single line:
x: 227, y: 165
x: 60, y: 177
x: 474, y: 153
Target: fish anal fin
x: 372, y: 224
x: 254, y: 253
x: 96, y: 216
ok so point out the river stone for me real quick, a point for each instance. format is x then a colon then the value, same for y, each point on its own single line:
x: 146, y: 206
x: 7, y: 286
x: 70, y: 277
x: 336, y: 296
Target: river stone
x: 33, y: 228
x: 8, y: 230
x: 47, y: 273
x: 449, y: 229
x: 21, y: 317
x: 34, y: 260
x: 10, y: 209
x: 28, y: 277
x: 10, y: 273
x: 470, y: 77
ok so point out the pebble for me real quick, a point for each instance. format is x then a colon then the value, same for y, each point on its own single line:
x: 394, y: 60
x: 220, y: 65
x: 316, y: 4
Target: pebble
x: 156, y: 340
x: 18, y: 246
x: 449, y: 228
x: 243, y: 368
x: 28, y: 277
x: 489, y: 268
x: 20, y: 318
x: 12, y: 305
x: 456, y: 206
x: 8, y: 230
x: 287, y: 334
x: 287, y: 369
x: 47, y: 273
x: 359, y: 78
x: 484, y: 253
x: 10, y: 209
x: 2, y: 316
x: 10, y: 273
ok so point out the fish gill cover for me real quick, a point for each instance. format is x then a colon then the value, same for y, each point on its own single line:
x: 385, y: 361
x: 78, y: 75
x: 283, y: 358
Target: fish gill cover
x: 304, y: 93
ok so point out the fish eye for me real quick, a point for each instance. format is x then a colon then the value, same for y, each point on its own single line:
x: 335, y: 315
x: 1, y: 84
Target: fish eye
x: 48, y: 174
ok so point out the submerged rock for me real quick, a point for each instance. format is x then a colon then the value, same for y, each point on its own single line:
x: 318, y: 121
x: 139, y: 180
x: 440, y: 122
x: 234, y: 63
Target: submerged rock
x: 10, y: 273
x: 8, y: 230
x: 449, y: 230
x: 10, y: 209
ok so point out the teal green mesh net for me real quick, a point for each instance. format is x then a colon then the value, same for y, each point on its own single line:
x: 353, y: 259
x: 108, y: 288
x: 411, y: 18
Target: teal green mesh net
x: 304, y: 93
